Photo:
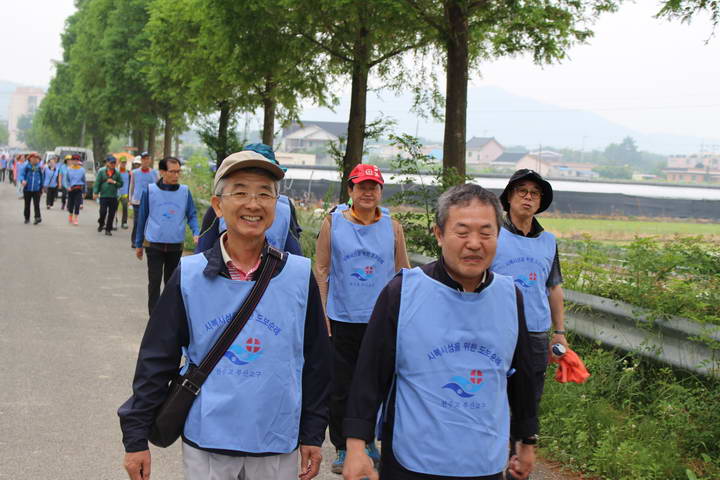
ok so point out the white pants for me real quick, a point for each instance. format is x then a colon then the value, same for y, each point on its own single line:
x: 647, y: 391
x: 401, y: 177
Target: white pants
x: 202, y: 465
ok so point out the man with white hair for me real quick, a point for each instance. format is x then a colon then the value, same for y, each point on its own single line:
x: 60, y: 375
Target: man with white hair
x: 265, y: 400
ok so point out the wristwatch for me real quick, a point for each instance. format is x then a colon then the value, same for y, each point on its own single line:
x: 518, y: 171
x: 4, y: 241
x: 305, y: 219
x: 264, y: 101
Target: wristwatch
x: 531, y: 440
x: 559, y: 332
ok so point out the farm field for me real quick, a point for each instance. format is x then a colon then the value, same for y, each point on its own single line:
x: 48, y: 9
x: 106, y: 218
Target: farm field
x: 621, y: 229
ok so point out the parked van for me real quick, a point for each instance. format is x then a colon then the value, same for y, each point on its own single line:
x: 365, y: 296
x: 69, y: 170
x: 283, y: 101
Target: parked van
x: 88, y: 162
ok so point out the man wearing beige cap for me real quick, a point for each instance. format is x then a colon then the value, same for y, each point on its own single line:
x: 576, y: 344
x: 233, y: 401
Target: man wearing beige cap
x: 263, y: 405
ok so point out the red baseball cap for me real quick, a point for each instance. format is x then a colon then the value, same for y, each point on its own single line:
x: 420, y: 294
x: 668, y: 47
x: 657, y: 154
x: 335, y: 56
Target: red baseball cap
x: 364, y: 171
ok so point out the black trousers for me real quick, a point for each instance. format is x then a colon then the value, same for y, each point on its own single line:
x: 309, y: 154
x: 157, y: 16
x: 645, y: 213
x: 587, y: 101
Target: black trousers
x: 50, y: 197
x: 35, y: 198
x: 74, y: 201
x: 108, y: 207
x: 136, y: 212
x: 2, y: 174
x: 63, y: 197
x: 161, y: 265
x: 346, y: 338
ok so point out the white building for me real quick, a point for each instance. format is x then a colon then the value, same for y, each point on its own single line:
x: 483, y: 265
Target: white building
x: 482, y: 150
x: 24, y: 101
x: 311, y: 137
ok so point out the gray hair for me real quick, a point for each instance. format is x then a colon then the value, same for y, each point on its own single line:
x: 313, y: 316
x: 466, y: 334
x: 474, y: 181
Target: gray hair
x: 220, y: 186
x: 462, y: 195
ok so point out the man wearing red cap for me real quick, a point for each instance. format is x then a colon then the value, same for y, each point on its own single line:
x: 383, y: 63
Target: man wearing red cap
x: 359, y: 249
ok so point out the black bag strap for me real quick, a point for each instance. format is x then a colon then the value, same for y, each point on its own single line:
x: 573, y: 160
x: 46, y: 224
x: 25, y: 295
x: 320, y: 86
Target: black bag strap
x: 195, y: 377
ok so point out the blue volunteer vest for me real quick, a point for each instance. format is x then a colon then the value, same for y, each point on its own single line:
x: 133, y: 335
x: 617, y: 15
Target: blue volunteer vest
x: 142, y: 180
x: 454, y: 351
x: 277, y: 233
x: 362, y: 262
x: 51, y: 177
x: 74, y: 177
x: 528, y: 261
x: 126, y: 183
x: 344, y: 206
x: 252, y: 400
x: 166, y: 220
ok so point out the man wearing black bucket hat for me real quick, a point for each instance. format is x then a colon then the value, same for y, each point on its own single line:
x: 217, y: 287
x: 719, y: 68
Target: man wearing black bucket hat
x: 529, y: 254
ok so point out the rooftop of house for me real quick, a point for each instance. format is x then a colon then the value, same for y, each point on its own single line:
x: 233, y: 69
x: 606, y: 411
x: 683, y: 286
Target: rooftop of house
x: 479, y: 142
x: 338, y: 129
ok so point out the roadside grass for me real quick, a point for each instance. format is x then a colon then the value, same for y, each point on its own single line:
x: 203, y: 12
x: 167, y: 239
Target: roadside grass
x: 624, y: 230
x: 633, y: 419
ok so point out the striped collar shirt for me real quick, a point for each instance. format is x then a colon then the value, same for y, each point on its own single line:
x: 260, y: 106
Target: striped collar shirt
x: 235, y: 272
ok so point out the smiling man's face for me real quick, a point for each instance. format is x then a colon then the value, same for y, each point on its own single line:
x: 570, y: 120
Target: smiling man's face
x: 469, y: 240
x: 248, y: 203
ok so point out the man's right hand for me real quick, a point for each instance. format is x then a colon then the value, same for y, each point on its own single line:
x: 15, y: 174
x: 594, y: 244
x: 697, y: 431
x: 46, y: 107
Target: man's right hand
x: 139, y: 253
x: 358, y: 465
x: 137, y: 465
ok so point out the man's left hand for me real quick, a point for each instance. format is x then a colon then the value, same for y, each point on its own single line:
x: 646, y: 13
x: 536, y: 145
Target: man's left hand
x: 310, y: 458
x: 558, y: 338
x: 522, y: 463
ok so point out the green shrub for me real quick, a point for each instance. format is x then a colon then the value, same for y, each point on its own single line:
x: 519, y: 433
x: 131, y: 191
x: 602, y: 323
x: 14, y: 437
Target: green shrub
x: 632, y: 419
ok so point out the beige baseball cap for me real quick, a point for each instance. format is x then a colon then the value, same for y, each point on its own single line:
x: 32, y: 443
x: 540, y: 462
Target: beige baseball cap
x: 246, y: 159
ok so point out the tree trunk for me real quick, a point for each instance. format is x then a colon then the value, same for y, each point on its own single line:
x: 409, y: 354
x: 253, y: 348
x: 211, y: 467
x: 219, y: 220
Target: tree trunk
x: 269, y: 106
x: 151, y: 141
x: 456, y: 90
x: 222, y: 140
x: 177, y: 145
x: 138, y: 137
x: 358, y: 110
x: 99, y: 148
x: 167, y: 137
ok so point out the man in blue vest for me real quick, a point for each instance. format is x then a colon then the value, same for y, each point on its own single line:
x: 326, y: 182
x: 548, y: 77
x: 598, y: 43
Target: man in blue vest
x: 52, y: 176
x: 447, y: 352
x: 266, y: 398
x: 140, y: 178
x: 31, y: 178
x: 123, y: 193
x: 164, y: 209
x: 284, y: 234
x: 529, y: 255
x: 359, y: 249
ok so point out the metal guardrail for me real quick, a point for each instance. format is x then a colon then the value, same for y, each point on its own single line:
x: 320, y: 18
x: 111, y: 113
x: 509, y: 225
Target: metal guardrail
x: 675, y: 341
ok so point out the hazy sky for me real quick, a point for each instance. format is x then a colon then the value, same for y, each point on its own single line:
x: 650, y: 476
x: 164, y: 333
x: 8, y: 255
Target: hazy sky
x: 647, y: 74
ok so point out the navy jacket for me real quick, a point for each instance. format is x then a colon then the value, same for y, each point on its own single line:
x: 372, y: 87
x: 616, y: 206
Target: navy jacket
x: 160, y: 354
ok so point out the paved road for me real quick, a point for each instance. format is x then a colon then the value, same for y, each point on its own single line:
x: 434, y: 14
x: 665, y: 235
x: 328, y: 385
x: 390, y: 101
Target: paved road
x: 72, y: 312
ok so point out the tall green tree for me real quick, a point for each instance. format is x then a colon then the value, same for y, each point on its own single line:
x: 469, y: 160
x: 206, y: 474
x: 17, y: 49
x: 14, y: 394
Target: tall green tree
x: 466, y: 32
x: 4, y: 134
x: 360, y: 37
x: 686, y: 10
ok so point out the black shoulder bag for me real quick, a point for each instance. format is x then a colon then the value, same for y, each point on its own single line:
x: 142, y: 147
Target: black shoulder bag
x: 170, y: 418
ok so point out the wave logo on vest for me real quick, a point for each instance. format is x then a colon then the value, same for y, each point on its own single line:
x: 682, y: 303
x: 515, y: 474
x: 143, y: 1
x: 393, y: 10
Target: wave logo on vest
x: 364, y: 274
x: 464, y: 387
x: 246, y: 353
x: 169, y: 210
x: 526, y: 281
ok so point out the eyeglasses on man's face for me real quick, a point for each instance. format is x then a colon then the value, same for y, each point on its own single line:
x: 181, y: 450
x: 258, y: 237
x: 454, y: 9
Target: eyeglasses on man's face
x: 524, y: 192
x: 242, y: 197
x: 174, y: 172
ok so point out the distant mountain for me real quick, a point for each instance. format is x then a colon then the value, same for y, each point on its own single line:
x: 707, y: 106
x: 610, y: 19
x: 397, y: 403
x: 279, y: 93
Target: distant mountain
x: 515, y: 120
x: 6, y: 90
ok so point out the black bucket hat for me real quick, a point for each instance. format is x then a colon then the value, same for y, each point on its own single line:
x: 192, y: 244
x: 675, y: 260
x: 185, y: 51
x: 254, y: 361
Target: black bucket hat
x: 523, y: 175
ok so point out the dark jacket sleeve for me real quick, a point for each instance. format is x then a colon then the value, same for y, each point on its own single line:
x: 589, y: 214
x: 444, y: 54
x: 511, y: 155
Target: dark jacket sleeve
x: 555, y: 277
x: 522, y: 385
x: 376, y: 364
x: 317, y: 372
x: 209, y: 231
x: 158, y: 361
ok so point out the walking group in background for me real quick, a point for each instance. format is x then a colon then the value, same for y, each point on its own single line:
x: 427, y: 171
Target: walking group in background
x: 444, y: 363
